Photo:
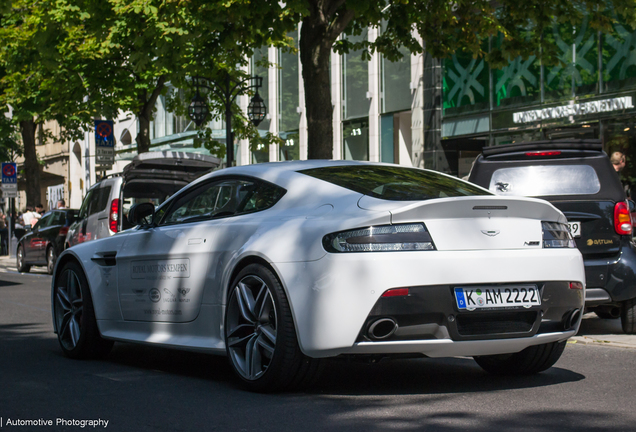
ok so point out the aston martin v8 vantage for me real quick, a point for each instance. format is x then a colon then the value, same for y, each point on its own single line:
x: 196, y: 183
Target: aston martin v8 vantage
x: 280, y: 265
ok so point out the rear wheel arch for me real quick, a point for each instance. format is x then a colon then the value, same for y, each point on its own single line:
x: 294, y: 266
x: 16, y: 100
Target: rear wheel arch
x: 244, y: 262
x: 255, y: 259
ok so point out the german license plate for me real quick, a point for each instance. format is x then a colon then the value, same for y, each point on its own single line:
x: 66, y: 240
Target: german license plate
x: 575, y: 228
x: 469, y: 298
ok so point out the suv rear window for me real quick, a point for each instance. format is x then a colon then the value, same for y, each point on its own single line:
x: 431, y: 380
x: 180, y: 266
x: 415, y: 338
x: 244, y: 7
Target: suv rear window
x: 394, y: 183
x: 545, y: 180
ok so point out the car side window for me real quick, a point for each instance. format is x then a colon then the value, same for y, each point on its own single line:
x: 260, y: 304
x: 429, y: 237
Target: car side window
x: 58, y: 218
x: 85, y: 204
x: 99, y: 201
x: 222, y: 198
x: 43, y: 222
x: 198, y: 203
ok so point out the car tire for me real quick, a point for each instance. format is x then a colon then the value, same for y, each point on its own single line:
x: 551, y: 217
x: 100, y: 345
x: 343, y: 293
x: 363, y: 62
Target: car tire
x: 260, y: 337
x: 51, y: 259
x: 628, y: 316
x: 530, y: 361
x: 74, y: 315
x: 20, y: 264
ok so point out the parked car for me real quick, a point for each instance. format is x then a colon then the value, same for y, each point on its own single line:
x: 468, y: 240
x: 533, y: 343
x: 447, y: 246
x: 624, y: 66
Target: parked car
x: 279, y: 265
x: 150, y: 177
x: 577, y: 177
x: 45, y: 241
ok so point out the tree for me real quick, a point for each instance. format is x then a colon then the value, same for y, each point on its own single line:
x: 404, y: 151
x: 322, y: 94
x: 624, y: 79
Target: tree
x: 444, y: 27
x: 35, y: 81
x: 128, y: 51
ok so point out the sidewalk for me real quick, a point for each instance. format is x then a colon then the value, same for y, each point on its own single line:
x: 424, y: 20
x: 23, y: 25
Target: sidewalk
x: 9, y: 265
x: 593, y: 331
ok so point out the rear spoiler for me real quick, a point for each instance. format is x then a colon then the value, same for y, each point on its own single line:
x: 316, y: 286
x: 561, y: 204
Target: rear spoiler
x: 566, y: 144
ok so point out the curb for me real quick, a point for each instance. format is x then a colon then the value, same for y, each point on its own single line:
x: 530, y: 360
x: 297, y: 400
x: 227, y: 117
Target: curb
x: 586, y: 340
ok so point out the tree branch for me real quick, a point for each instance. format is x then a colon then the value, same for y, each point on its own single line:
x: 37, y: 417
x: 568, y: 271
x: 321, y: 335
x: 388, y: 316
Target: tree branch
x: 339, y: 24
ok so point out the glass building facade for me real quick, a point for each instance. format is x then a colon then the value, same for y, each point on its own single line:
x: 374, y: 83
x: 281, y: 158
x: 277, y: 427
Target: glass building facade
x: 589, y: 94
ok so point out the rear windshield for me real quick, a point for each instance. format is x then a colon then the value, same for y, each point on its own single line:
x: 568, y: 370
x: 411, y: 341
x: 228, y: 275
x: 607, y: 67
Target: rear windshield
x: 394, y: 183
x: 545, y: 180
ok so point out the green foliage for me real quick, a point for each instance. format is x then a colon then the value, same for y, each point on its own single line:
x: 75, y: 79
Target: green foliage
x: 9, y: 139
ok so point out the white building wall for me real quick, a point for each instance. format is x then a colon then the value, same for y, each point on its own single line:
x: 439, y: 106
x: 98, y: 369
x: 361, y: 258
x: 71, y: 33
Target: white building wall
x: 373, y: 96
x: 273, y: 101
x: 336, y: 101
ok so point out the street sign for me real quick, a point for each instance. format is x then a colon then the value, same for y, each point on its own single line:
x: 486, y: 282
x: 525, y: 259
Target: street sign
x: 104, y: 136
x: 9, y: 193
x: 9, y: 173
x: 104, y: 145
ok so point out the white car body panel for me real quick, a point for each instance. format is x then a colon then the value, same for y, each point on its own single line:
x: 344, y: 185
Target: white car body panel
x: 330, y: 294
x: 332, y: 297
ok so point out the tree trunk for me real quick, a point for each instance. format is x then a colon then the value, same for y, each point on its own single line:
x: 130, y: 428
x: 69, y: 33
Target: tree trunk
x: 318, y: 33
x: 145, y: 116
x: 31, y: 164
x: 315, y: 51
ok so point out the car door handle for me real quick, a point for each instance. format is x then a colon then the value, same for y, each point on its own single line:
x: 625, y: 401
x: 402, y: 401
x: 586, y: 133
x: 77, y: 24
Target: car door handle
x: 106, y: 259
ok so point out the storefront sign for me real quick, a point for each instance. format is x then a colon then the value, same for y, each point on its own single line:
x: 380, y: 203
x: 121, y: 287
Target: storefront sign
x: 574, y: 109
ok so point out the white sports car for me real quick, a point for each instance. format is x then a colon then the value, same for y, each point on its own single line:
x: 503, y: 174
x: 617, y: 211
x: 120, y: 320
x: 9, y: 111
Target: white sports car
x: 279, y: 265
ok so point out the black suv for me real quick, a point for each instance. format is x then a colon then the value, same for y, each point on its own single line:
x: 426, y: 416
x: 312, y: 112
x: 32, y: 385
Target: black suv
x: 576, y: 176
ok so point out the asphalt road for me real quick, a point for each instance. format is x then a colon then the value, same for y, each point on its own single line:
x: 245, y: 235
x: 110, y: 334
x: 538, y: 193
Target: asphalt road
x: 141, y: 388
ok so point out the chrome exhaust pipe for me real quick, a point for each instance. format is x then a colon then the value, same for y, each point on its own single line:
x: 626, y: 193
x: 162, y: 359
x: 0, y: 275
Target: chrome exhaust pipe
x: 572, y: 319
x: 613, y: 311
x: 382, y: 328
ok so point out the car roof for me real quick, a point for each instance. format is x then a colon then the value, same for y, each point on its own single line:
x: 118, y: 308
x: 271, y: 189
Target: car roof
x: 282, y: 172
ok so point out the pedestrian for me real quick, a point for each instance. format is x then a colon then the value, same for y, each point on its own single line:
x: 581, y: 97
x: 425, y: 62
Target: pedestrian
x: 39, y: 209
x: 27, y: 216
x: 618, y: 160
x: 61, y: 204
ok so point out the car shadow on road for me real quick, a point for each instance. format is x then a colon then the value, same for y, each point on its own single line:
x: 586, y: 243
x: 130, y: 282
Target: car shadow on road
x: 341, y: 377
x: 429, y: 376
x: 592, y: 325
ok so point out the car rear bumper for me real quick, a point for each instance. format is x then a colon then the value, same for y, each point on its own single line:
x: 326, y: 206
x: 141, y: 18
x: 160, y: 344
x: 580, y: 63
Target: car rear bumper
x: 611, y: 279
x: 334, y: 299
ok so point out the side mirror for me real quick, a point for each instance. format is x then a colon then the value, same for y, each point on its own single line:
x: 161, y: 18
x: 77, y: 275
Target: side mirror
x: 139, y: 212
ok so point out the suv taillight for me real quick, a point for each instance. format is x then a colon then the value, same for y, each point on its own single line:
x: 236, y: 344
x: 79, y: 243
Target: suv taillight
x: 622, y: 219
x: 113, y: 216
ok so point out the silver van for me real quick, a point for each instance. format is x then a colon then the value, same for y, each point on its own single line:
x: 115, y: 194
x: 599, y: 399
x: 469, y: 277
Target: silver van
x: 150, y: 177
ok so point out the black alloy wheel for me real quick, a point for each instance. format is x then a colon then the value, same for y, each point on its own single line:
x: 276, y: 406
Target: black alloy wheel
x: 74, y: 315
x: 260, y: 336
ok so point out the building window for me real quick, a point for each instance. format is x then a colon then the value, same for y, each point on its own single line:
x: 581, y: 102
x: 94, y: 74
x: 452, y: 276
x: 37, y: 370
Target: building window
x: 290, y: 149
x: 288, y: 88
x: 465, y: 84
x: 396, y: 79
x: 355, y: 82
x: 355, y: 138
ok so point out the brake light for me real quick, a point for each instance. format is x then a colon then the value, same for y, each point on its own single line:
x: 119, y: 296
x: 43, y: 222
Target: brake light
x: 397, y: 292
x: 63, y: 231
x: 622, y: 219
x: 543, y: 153
x: 113, y: 216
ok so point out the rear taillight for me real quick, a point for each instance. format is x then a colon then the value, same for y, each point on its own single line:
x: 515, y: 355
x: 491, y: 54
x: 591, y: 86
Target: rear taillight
x: 576, y: 285
x: 543, y: 153
x: 383, y: 238
x: 396, y: 292
x: 63, y: 231
x: 622, y: 219
x: 113, y: 216
x: 556, y: 235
